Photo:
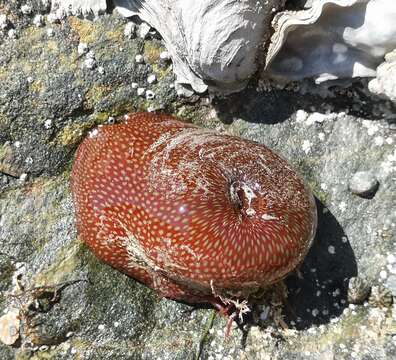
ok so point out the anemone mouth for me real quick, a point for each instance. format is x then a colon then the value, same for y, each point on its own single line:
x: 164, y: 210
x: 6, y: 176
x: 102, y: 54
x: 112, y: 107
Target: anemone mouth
x: 241, y: 196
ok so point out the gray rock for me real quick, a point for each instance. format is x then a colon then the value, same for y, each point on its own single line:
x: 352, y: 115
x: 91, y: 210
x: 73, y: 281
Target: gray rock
x: 363, y: 183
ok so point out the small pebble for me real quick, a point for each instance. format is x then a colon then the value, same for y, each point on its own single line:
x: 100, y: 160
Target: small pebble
x: 26, y: 9
x: 391, y: 259
x: 101, y: 70
x: 90, y: 55
x: 342, y: 206
x: 141, y: 91
x: 38, y: 20
x: 139, y: 59
x: 12, y: 34
x: 183, y: 91
x: 321, y: 136
x: 315, y: 118
x: 144, y: 30
x: 50, y: 32
x: 301, y: 116
x: 383, y: 274
x: 165, y: 56
x: 134, y: 85
x: 53, y: 18
x: 364, y: 184
x: 152, y: 78
x: 23, y: 177
x: 315, y: 312
x: 331, y: 249
x: 3, y: 22
x: 130, y: 30
x: 82, y: 48
x: 29, y: 160
x: 48, y: 124
x: 90, y: 63
x: 306, y: 146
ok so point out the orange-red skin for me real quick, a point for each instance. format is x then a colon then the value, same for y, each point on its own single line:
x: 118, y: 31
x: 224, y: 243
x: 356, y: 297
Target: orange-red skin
x: 189, y: 212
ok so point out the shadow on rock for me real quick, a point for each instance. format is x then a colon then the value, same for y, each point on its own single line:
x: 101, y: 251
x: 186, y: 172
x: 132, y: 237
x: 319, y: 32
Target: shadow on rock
x: 277, y: 105
x: 321, y: 293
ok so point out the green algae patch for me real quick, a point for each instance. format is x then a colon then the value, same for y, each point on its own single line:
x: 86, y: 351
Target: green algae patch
x: 52, y: 46
x: 152, y: 51
x: 37, y: 86
x: 73, y: 133
x: 96, y: 94
x: 87, y: 31
x: 49, y: 354
x: 322, y: 195
x: 5, y: 152
x: 116, y: 34
x: 67, y: 262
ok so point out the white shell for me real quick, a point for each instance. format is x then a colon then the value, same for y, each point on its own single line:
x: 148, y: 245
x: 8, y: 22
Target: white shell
x: 211, y: 42
x: 332, y: 39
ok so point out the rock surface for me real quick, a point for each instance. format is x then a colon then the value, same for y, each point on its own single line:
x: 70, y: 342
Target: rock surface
x: 73, y: 306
